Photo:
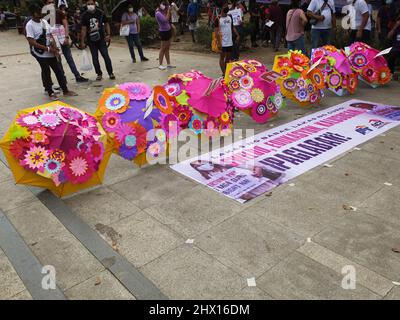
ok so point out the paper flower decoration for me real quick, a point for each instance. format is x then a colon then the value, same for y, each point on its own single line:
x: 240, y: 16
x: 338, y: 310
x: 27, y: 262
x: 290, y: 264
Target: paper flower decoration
x: 114, y: 100
x: 369, y: 64
x: 299, y: 82
x: 335, y: 69
x: 136, y: 90
x: 58, y: 147
x: 198, y: 98
x: 250, y: 84
x: 129, y: 125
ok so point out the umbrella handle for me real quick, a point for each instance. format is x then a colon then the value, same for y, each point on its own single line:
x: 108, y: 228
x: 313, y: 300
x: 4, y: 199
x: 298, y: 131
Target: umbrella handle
x: 212, y: 86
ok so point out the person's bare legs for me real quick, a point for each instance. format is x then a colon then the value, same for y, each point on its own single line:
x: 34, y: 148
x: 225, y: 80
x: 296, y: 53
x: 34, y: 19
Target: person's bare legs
x: 167, y: 46
x: 161, y: 53
x: 222, y: 63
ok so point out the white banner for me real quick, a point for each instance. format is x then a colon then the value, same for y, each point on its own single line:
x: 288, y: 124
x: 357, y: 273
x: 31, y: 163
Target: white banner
x: 251, y: 167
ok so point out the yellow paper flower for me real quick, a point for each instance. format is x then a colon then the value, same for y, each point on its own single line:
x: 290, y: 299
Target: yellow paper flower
x: 257, y: 95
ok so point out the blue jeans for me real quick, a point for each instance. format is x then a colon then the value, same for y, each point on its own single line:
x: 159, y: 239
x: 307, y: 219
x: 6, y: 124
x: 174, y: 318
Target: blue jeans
x: 317, y: 34
x: 134, y: 40
x: 297, y: 44
x: 66, y: 50
x: 101, y: 46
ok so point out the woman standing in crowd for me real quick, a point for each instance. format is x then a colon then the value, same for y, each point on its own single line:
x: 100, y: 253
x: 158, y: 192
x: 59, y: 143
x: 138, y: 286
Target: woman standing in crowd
x: 237, y: 15
x: 225, y: 30
x: 131, y: 18
x: 295, y: 22
x: 175, y: 21
x: 45, y: 52
x: 163, y: 16
x: 193, y: 15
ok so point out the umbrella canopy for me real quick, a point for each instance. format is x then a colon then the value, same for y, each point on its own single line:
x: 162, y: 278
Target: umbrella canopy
x: 372, y: 69
x: 199, y: 104
x: 336, y: 69
x: 131, y: 118
x: 121, y: 8
x: 299, y: 82
x: 252, y: 89
x: 57, y: 147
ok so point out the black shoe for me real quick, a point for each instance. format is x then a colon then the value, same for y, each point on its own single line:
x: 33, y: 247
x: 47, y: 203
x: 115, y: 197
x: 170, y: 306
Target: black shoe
x: 99, y: 77
x: 112, y: 77
x: 133, y: 60
x: 81, y: 79
x: 144, y: 59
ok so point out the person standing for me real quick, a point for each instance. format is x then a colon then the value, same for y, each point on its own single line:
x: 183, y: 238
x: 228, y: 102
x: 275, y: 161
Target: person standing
x: 225, y: 30
x: 175, y: 21
x: 163, y: 16
x: 237, y: 15
x: 61, y: 24
x: 322, y: 19
x: 362, y: 30
x: 96, y: 30
x: 276, y: 16
x: 44, y: 50
x: 254, y: 23
x: 131, y: 18
x: 2, y: 20
x: 307, y: 27
x: 193, y: 15
x: 394, y: 38
x: 295, y: 22
x: 383, y: 22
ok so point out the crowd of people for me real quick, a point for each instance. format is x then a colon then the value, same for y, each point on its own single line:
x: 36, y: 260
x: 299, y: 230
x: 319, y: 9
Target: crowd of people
x: 273, y: 24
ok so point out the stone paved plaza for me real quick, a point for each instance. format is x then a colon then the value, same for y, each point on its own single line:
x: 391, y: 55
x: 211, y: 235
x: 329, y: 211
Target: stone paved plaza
x: 294, y: 241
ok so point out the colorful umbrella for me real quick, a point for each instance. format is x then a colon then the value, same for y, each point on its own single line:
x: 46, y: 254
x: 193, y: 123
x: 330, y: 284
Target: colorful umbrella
x: 200, y: 104
x: 299, y: 82
x: 57, y: 147
x: 130, y: 113
x: 338, y: 75
x: 371, y: 67
x: 253, y: 89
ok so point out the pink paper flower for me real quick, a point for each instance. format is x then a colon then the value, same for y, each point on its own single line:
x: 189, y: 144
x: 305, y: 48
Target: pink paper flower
x: 111, y: 121
x: 35, y: 158
x: 122, y: 131
x: 49, y: 119
x: 79, y: 167
x: 28, y: 120
x: 136, y: 90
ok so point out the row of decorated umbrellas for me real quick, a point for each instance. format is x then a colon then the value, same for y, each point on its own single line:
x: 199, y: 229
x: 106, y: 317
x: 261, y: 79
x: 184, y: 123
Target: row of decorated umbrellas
x: 64, y: 149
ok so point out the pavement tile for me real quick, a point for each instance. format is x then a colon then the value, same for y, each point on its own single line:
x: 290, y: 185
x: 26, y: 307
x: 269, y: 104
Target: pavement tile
x: 153, y: 185
x: 101, y: 205
x: 384, y: 204
x: 366, y: 240
x: 360, y: 163
x: 335, y: 187
x: 35, y: 222
x: 330, y: 259
x: 197, y: 210
x: 10, y: 284
x: 249, y: 244
x: 143, y: 239
x: 13, y: 195
x: 299, y: 277
x: 250, y: 293
x: 394, y: 294
x: 103, y: 286
x: 189, y: 273
x: 302, y: 212
x: 5, y: 173
x: 387, y: 145
x: 72, y: 262
x: 119, y: 169
x: 24, y: 295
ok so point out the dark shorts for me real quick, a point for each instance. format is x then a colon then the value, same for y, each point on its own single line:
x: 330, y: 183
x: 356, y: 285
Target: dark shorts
x: 165, y: 35
x: 227, y: 49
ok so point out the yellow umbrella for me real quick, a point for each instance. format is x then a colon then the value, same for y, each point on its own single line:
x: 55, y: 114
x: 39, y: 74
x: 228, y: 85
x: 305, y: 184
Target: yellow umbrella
x: 57, y: 147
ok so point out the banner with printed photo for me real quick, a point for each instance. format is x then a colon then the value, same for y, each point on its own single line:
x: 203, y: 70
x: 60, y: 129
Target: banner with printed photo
x: 255, y: 165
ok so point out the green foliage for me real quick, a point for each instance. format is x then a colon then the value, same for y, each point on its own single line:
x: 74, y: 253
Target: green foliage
x: 148, y: 29
x: 204, y: 35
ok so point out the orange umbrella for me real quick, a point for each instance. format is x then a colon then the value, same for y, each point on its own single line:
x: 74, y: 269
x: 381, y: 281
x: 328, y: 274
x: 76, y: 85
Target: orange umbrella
x: 57, y: 147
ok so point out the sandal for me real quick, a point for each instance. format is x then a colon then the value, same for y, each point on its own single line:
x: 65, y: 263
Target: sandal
x: 70, y: 94
x: 53, y: 96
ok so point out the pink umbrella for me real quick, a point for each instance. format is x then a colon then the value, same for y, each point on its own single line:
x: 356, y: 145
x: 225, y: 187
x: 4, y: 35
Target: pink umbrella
x: 207, y: 96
